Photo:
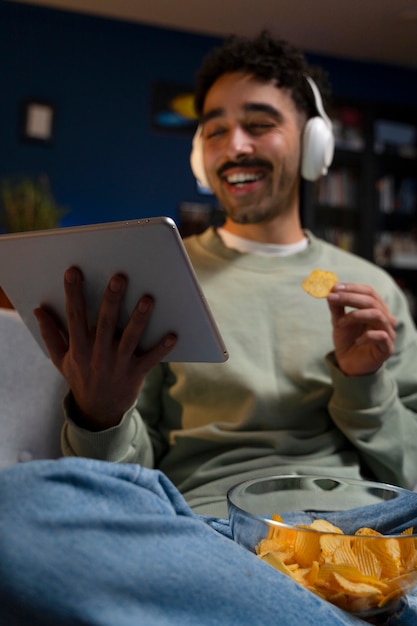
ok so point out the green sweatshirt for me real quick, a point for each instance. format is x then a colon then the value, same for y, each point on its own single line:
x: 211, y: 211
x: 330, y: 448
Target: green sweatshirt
x: 279, y: 404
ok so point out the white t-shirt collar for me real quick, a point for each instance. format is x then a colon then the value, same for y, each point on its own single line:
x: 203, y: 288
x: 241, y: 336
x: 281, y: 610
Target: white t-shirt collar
x: 255, y: 247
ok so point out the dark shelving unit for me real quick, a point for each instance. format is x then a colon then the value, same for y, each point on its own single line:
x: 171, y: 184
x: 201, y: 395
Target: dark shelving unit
x: 368, y: 201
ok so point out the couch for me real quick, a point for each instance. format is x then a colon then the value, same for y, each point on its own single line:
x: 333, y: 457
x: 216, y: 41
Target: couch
x: 31, y: 395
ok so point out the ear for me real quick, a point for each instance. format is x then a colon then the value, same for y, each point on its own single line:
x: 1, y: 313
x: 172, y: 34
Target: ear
x: 196, y: 160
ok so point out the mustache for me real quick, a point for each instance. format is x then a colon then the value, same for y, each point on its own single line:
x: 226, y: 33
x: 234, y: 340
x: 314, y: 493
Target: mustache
x: 244, y: 163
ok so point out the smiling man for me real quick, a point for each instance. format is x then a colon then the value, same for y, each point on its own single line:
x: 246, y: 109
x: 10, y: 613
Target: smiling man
x: 311, y: 386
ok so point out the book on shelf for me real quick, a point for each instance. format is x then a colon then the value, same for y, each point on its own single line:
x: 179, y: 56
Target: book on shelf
x: 339, y: 237
x: 348, y: 128
x: 396, y: 249
x: 396, y: 138
x: 397, y: 196
x: 338, y: 189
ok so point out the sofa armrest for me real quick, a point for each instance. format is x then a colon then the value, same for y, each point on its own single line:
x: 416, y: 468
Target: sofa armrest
x: 31, y: 395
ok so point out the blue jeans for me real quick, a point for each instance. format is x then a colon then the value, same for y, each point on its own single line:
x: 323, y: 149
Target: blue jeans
x: 85, y: 542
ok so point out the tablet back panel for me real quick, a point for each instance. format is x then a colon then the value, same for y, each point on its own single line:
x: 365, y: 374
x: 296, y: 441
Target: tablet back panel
x: 149, y: 252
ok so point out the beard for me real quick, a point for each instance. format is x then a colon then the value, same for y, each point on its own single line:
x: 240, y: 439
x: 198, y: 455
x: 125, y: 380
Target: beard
x: 264, y: 207
x: 253, y: 213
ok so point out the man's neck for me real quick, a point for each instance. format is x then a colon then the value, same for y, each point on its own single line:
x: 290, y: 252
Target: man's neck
x: 276, y: 231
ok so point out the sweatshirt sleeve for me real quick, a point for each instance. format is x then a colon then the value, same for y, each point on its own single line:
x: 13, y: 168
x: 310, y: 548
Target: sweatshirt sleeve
x: 136, y: 439
x: 128, y: 442
x: 378, y: 414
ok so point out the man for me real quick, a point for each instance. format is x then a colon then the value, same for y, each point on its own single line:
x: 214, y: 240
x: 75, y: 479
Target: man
x: 309, y: 387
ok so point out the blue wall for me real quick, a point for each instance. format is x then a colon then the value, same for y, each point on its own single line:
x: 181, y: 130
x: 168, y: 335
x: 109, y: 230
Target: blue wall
x: 106, y: 161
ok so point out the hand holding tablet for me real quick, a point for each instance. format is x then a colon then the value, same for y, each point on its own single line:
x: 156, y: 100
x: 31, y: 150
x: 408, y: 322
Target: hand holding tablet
x: 151, y: 255
x: 130, y: 299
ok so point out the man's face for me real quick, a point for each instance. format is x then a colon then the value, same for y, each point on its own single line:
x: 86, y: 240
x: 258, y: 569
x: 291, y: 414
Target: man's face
x: 251, y: 148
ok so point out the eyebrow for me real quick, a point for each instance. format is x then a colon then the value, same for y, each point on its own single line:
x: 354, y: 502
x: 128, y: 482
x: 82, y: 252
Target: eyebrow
x: 251, y: 107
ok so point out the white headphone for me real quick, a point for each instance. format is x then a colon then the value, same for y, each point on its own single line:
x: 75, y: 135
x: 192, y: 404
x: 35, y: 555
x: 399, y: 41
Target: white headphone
x: 317, y: 145
x: 318, y: 140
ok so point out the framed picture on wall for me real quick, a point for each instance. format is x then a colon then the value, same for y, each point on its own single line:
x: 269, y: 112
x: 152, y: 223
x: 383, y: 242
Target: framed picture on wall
x: 37, y: 121
x: 172, y: 108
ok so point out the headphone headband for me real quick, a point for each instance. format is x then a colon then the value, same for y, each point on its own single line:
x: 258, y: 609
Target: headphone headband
x: 318, y: 100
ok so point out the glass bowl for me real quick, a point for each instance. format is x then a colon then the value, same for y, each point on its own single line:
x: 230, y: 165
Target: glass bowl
x: 349, y: 541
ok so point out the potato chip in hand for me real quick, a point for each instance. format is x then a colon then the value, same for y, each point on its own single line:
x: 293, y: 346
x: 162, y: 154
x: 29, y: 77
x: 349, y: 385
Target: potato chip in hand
x: 320, y: 283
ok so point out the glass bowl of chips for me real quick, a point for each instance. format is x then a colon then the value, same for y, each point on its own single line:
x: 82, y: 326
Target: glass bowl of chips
x: 351, y: 542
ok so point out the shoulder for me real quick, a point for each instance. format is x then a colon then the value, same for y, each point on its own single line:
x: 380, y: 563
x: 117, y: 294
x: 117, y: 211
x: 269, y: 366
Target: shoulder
x: 351, y: 267
x: 208, y: 239
x: 208, y: 249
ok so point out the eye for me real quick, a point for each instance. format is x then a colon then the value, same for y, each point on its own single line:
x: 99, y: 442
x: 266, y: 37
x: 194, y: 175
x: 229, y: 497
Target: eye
x: 214, y: 132
x: 259, y: 126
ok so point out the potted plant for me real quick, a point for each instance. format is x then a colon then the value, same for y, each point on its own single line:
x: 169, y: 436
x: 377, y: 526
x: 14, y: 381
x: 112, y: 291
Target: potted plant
x: 27, y: 204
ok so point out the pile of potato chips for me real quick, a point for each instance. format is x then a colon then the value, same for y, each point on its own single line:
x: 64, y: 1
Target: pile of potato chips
x: 357, y: 573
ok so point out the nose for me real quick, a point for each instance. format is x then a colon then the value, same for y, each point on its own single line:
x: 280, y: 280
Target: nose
x: 239, y: 143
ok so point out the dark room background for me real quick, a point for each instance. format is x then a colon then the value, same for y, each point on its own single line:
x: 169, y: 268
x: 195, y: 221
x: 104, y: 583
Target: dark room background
x: 106, y: 160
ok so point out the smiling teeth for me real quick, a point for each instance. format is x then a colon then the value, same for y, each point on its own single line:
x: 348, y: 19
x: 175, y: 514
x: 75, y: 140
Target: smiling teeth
x: 235, y: 179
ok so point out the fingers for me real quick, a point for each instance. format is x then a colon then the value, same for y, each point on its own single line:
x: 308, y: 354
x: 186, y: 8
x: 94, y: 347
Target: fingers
x: 102, y: 365
x: 363, y: 328
x: 109, y: 338
x: 358, y: 297
x: 75, y: 309
x: 108, y: 317
x: 371, y: 318
x: 147, y: 360
x: 52, y: 336
x: 379, y: 339
x: 366, y: 306
x: 108, y: 343
x: 136, y: 325
x: 134, y: 330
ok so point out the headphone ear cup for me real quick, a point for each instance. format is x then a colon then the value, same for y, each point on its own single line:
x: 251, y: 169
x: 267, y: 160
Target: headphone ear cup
x: 196, y: 160
x: 317, y: 149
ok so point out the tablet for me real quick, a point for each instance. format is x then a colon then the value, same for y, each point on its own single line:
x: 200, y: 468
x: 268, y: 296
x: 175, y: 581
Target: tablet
x: 150, y: 252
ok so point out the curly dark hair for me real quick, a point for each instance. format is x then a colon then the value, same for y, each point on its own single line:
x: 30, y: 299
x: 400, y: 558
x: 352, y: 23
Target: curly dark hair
x: 266, y: 59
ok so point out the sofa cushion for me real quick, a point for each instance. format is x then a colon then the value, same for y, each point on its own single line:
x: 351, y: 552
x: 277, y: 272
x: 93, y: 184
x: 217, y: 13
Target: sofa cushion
x: 31, y: 395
